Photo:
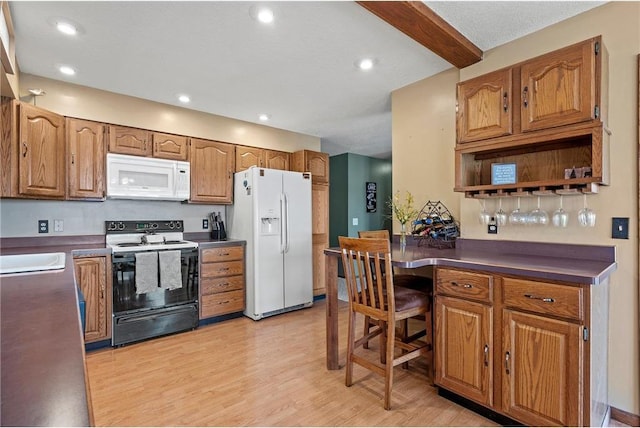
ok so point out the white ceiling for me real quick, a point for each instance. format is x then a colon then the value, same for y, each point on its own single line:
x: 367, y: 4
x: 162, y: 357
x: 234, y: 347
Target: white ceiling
x: 300, y: 69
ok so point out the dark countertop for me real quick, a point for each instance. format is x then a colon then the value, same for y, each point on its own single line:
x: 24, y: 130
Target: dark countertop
x: 582, y: 264
x: 42, y: 349
x: 42, y: 345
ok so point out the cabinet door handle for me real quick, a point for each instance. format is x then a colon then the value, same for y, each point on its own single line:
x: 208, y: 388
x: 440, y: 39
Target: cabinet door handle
x: 544, y: 299
x: 505, y: 102
x: 455, y: 284
x: 26, y: 148
x: 525, y: 95
x: 507, y: 356
x: 486, y: 355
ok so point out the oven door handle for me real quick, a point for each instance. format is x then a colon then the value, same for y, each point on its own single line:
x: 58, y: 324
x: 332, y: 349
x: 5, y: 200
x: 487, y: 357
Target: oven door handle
x: 157, y: 313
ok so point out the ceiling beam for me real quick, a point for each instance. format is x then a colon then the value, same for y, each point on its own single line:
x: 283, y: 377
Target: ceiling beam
x: 424, y: 26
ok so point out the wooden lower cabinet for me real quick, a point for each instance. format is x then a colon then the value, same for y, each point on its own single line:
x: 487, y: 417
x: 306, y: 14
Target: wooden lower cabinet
x: 222, y: 280
x: 521, y: 347
x: 464, y: 348
x: 543, y: 363
x: 95, y: 283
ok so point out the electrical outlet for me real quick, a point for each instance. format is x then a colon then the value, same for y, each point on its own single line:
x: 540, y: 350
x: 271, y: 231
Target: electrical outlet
x: 492, y: 227
x: 43, y: 226
x: 58, y: 225
x: 205, y: 223
x: 354, y: 221
x: 620, y: 228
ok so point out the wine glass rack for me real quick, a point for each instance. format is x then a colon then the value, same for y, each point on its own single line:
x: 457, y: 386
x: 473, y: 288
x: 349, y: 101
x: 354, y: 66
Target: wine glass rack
x: 435, y: 226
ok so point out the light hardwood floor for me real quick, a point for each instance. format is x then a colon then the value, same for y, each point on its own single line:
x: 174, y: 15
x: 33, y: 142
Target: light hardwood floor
x: 267, y: 373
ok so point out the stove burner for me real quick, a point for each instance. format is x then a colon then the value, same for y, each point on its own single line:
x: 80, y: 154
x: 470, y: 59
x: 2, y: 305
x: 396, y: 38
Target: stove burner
x: 129, y: 244
x: 174, y: 242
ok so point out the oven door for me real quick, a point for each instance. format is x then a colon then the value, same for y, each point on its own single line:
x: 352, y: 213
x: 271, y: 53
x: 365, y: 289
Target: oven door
x: 126, y: 299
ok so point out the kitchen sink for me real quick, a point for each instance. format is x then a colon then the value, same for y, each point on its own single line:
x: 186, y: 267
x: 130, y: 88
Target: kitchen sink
x: 31, y: 262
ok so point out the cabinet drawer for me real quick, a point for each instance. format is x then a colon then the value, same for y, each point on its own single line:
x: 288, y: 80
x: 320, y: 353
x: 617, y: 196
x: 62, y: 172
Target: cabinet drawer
x: 212, y: 270
x: 220, y: 285
x: 221, y: 254
x: 467, y: 285
x: 222, y: 303
x: 549, y: 299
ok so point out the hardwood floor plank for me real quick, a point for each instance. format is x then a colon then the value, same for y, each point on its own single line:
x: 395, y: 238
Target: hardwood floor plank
x: 267, y: 373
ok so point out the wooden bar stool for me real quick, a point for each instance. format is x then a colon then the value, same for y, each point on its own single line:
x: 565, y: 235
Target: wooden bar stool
x: 413, y: 282
x: 373, y: 295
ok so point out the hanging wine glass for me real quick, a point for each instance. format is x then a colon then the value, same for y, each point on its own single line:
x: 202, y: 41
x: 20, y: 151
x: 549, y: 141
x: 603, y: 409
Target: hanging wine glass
x: 501, y: 216
x: 484, y: 218
x: 586, y: 216
x: 517, y: 217
x: 538, y: 217
x: 560, y: 217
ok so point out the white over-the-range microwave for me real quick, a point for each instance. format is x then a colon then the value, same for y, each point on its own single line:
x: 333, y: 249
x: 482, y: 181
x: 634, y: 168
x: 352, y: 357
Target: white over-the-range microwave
x: 136, y: 177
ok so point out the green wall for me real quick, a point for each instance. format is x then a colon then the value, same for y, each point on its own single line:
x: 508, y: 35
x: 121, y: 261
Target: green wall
x: 347, y: 198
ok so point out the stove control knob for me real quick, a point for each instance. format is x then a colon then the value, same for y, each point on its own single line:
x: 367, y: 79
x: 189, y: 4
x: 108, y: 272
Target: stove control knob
x: 172, y: 225
x: 154, y: 226
x: 178, y: 224
x: 112, y: 226
x: 120, y: 225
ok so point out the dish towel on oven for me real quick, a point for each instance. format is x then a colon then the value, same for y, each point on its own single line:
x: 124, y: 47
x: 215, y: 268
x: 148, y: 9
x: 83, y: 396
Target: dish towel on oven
x: 170, y: 269
x: 146, y: 272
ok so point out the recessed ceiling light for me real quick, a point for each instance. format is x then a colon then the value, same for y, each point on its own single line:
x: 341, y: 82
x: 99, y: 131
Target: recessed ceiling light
x: 262, y: 14
x: 264, y: 117
x: 184, y: 98
x: 65, y: 69
x: 366, y: 64
x: 265, y: 15
x: 66, y: 28
x: 65, y: 25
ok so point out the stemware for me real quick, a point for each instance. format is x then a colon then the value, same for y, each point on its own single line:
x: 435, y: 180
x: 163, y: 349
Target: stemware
x: 517, y: 217
x: 586, y: 216
x: 538, y: 217
x: 501, y: 216
x: 484, y: 217
x: 560, y: 217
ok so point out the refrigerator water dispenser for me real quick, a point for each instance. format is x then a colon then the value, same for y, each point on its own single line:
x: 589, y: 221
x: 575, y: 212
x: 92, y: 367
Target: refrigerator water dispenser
x: 270, y: 226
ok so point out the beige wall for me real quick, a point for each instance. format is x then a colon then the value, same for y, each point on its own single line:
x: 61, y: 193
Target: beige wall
x: 93, y: 104
x: 423, y: 143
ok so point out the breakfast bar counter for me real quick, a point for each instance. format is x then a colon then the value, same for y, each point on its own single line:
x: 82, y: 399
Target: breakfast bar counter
x: 580, y: 264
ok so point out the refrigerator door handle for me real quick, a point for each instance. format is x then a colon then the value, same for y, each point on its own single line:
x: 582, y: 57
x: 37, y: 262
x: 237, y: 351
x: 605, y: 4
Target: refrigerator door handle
x: 286, y: 207
x: 283, y: 248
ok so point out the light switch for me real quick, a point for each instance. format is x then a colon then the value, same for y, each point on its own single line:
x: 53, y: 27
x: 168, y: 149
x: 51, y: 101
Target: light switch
x: 354, y: 221
x: 620, y: 228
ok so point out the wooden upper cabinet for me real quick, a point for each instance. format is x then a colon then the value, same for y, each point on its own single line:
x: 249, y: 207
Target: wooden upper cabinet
x: 129, y: 141
x: 562, y: 87
x: 317, y: 163
x: 86, y: 159
x: 246, y: 157
x: 276, y: 159
x: 542, y: 370
x: 167, y: 146
x: 41, y: 148
x: 212, y: 167
x: 484, y: 108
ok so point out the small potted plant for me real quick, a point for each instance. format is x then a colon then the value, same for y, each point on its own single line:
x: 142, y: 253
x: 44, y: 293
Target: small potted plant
x: 403, y: 211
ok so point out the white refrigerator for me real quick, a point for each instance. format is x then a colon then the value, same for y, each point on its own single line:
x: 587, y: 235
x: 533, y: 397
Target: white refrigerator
x: 272, y: 213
